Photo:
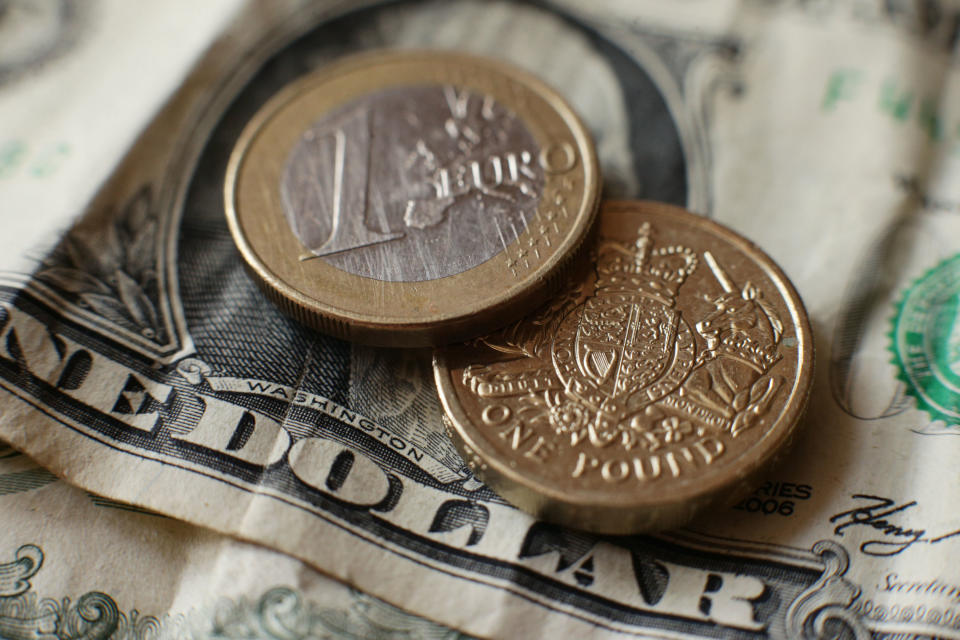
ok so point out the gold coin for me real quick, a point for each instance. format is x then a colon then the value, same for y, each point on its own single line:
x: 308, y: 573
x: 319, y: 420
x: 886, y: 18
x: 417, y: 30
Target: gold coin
x: 671, y: 371
x: 412, y: 198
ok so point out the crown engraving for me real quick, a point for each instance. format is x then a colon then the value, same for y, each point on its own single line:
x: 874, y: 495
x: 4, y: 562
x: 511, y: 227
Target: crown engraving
x: 641, y: 270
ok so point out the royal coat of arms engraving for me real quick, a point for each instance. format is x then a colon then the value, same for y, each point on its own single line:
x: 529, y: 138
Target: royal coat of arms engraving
x: 621, y: 362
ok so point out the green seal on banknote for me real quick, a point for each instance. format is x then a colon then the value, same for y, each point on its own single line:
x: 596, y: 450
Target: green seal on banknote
x: 925, y: 341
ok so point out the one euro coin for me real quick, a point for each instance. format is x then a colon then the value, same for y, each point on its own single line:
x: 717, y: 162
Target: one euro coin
x: 412, y: 198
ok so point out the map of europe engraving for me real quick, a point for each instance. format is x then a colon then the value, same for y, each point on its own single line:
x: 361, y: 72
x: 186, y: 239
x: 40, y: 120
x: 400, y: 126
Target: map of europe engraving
x: 412, y: 183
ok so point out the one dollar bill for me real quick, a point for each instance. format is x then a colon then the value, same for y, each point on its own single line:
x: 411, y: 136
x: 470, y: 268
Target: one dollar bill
x: 142, y: 364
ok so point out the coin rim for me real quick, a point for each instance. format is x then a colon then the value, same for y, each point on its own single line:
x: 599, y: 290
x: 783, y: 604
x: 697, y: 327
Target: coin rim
x: 371, y: 328
x: 617, y: 510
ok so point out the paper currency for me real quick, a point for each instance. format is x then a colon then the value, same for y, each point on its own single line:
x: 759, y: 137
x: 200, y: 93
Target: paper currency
x: 142, y: 364
x: 76, y: 565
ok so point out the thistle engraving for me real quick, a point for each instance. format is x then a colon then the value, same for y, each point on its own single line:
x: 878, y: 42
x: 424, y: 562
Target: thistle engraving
x: 623, y: 362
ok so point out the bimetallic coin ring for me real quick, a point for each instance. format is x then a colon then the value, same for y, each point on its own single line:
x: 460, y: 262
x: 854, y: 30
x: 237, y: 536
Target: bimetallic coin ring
x: 412, y: 198
x: 672, y: 370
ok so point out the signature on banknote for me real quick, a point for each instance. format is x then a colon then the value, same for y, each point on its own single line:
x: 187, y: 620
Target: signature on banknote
x: 880, y: 514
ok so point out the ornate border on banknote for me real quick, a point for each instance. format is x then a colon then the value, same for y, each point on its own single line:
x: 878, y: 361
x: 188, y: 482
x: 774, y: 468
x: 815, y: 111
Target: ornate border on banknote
x: 281, y: 612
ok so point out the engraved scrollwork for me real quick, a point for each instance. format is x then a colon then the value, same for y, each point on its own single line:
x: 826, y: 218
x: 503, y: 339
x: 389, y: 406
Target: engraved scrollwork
x: 95, y: 617
x: 283, y: 614
x: 279, y: 613
x: 194, y: 370
x: 15, y: 575
x: 827, y: 601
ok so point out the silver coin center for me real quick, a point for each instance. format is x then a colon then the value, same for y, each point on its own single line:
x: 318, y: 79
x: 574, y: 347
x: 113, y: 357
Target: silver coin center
x: 412, y: 184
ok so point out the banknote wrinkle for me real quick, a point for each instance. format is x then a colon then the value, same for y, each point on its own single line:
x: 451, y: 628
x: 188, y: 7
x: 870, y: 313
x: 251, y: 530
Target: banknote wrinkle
x: 883, y: 265
x: 663, y: 140
x: 867, y: 294
x: 298, y: 384
x: 279, y: 611
x: 257, y: 506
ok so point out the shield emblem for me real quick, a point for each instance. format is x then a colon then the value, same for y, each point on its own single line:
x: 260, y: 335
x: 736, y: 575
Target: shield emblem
x: 614, y: 354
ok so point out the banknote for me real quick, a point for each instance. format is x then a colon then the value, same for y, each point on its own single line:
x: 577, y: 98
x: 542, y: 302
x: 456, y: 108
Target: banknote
x: 143, y: 365
x: 73, y: 564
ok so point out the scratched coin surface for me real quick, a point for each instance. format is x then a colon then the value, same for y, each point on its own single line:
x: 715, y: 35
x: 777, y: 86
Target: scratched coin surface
x: 673, y: 368
x: 412, y: 198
